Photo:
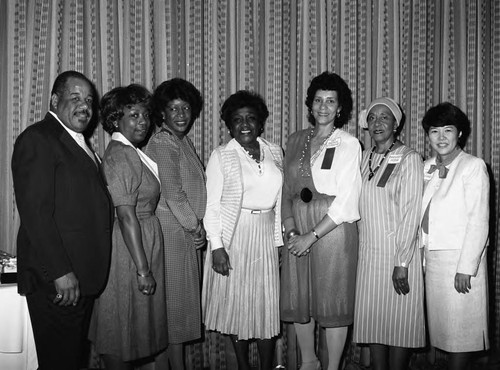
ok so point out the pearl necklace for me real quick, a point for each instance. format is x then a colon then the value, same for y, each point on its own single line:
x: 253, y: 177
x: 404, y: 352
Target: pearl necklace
x: 252, y: 159
x: 304, y: 172
x: 372, y: 172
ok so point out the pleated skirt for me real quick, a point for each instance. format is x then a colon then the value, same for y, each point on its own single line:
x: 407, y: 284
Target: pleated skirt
x: 320, y: 285
x: 245, y: 303
x: 457, y: 322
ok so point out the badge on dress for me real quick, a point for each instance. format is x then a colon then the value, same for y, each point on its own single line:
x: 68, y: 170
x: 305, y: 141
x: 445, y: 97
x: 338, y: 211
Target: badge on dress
x: 329, y: 154
x: 392, y: 162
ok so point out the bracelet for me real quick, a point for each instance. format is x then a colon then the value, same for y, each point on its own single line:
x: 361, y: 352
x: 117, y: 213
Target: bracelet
x: 144, y: 275
x: 315, y: 234
x: 292, y: 232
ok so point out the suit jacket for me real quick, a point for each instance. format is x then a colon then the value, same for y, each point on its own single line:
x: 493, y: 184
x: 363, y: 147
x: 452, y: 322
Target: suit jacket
x: 459, y: 209
x: 65, y: 210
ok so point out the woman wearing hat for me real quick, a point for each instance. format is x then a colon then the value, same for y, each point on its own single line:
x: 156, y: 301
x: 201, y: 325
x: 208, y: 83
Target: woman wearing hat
x: 389, y: 309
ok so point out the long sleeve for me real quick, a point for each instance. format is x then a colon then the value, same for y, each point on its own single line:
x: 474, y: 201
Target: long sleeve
x: 476, y: 190
x: 165, y: 150
x: 212, y: 221
x: 33, y: 170
x: 343, y: 181
x: 409, y: 205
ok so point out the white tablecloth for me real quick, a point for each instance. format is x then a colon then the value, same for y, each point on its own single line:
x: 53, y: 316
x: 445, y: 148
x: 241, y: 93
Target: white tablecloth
x: 17, y: 346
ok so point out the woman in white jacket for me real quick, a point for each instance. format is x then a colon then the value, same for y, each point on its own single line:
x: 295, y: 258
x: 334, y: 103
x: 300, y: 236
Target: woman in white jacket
x: 240, y: 294
x: 455, y: 217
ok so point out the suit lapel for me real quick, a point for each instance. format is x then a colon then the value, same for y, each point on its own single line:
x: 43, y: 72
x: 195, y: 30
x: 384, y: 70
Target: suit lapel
x: 70, y: 144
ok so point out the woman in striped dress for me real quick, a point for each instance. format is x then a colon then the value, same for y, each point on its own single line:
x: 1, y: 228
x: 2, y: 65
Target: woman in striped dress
x: 240, y: 294
x: 389, y: 309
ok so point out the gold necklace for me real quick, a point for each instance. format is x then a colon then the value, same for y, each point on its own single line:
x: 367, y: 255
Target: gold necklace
x: 304, y: 171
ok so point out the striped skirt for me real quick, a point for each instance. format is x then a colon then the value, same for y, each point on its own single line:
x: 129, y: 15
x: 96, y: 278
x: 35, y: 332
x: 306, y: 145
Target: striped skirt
x: 245, y: 303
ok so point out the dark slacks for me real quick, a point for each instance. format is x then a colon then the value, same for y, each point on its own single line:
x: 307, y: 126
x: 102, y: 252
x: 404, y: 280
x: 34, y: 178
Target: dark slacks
x: 60, y: 332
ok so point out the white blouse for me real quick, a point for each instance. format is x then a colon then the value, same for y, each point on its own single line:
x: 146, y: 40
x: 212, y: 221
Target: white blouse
x: 261, y: 187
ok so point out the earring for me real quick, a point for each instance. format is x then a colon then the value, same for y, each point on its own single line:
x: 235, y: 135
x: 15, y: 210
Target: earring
x: 338, y: 114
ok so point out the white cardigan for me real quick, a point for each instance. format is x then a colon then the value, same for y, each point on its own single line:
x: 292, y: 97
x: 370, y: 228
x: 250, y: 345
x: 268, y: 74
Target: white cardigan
x: 459, y: 210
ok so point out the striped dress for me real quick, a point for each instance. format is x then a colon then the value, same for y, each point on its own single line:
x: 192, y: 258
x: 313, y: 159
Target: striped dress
x: 390, y: 207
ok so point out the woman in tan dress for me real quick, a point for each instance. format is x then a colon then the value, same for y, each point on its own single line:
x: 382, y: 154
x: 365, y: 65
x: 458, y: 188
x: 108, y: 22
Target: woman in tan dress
x: 130, y: 321
x: 176, y: 105
x: 319, y: 211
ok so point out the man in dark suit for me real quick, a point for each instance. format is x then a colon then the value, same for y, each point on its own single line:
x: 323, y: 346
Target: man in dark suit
x: 63, y: 244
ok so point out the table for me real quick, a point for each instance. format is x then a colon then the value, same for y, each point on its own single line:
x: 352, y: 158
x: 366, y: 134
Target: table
x: 17, y: 345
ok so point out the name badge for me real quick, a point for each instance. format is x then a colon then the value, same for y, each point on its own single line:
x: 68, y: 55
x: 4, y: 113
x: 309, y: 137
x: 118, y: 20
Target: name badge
x: 334, y: 143
x: 395, y: 158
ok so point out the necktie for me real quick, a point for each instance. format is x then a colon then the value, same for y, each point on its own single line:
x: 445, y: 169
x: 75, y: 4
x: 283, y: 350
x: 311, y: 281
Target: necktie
x: 81, y: 141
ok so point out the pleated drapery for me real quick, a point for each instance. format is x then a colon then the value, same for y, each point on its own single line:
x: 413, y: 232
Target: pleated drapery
x: 419, y: 52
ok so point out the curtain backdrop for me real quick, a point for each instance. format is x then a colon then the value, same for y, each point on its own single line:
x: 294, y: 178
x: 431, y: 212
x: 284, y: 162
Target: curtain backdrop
x: 420, y: 52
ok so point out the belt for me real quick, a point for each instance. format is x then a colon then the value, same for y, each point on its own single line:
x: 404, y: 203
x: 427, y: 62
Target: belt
x: 256, y: 211
x: 140, y: 215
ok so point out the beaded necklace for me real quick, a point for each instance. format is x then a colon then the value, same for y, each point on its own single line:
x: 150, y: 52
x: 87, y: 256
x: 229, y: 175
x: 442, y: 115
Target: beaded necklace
x: 252, y: 159
x: 304, y: 171
x: 372, y: 172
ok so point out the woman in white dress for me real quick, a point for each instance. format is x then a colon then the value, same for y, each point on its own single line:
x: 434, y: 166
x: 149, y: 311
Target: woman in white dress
x: 455, y: 219
x: 240, y: 295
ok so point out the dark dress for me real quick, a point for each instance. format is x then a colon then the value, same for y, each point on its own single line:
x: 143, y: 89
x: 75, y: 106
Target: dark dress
x: 127, y: 323
x: 321, y: 284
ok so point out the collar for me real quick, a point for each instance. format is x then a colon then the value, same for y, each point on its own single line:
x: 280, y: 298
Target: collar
x: 148, y: 162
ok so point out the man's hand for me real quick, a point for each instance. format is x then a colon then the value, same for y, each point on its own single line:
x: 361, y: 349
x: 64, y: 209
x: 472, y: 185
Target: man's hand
x: 68, y: 290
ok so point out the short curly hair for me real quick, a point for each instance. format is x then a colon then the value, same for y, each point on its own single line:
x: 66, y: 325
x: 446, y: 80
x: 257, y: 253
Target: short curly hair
x: 175, y: 88
x: 113, y: 102
x: 330, y: 81
x: 244, y: 99
x: 447, y: 114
